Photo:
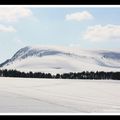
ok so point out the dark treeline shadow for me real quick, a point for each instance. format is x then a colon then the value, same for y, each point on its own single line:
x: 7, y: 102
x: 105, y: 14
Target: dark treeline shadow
x: 72, y: 75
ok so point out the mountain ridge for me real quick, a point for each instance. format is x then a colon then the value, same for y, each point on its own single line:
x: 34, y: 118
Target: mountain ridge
x: 62, y: 59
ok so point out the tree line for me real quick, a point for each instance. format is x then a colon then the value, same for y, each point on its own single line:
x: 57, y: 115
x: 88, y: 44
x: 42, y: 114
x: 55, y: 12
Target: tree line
x: 71, y: 75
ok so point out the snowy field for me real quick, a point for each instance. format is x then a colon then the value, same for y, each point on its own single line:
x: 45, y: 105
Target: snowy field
x: 18, y: 95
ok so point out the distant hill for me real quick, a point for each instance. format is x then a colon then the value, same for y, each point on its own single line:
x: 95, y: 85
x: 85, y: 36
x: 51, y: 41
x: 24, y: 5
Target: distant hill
x: 55, y: 59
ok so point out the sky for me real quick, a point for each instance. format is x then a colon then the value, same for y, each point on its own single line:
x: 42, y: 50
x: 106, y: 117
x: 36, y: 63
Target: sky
x: 84, y: 27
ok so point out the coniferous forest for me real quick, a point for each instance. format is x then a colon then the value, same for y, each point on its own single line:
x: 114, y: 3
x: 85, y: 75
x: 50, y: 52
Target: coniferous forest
x: 71, y: 75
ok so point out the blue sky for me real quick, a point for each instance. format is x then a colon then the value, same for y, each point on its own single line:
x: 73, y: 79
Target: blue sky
x: 84, y: 27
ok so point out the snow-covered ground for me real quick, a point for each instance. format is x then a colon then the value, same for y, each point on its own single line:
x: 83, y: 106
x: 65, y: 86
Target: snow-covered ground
x: 25, y: 95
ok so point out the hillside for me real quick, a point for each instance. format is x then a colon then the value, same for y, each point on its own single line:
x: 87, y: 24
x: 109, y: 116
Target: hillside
x: 55, y: 59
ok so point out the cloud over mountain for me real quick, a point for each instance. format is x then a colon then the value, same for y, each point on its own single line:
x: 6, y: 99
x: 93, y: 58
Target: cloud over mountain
x: 99, y: 33
x: 79, y: 16
x: 11, y: 14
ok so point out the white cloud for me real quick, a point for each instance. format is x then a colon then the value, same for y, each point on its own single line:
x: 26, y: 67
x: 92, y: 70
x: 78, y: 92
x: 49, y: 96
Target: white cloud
x: 11, y: 14
x: 79, y: 16
x: 7, y: 28
x: 102, y: 33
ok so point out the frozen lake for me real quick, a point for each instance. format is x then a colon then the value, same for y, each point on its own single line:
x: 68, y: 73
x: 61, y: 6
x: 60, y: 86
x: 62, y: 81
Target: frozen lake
x: 25, y: 95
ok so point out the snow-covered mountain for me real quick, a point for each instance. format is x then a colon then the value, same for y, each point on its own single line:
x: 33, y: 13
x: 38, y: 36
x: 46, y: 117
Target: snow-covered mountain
x: 56, y: 59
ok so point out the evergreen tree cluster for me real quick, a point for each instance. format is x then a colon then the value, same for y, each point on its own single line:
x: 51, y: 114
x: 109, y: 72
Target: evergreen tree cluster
x: 71, y: 75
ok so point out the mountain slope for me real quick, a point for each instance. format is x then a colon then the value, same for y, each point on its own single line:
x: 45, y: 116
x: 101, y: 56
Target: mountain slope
x: 62, y: 59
